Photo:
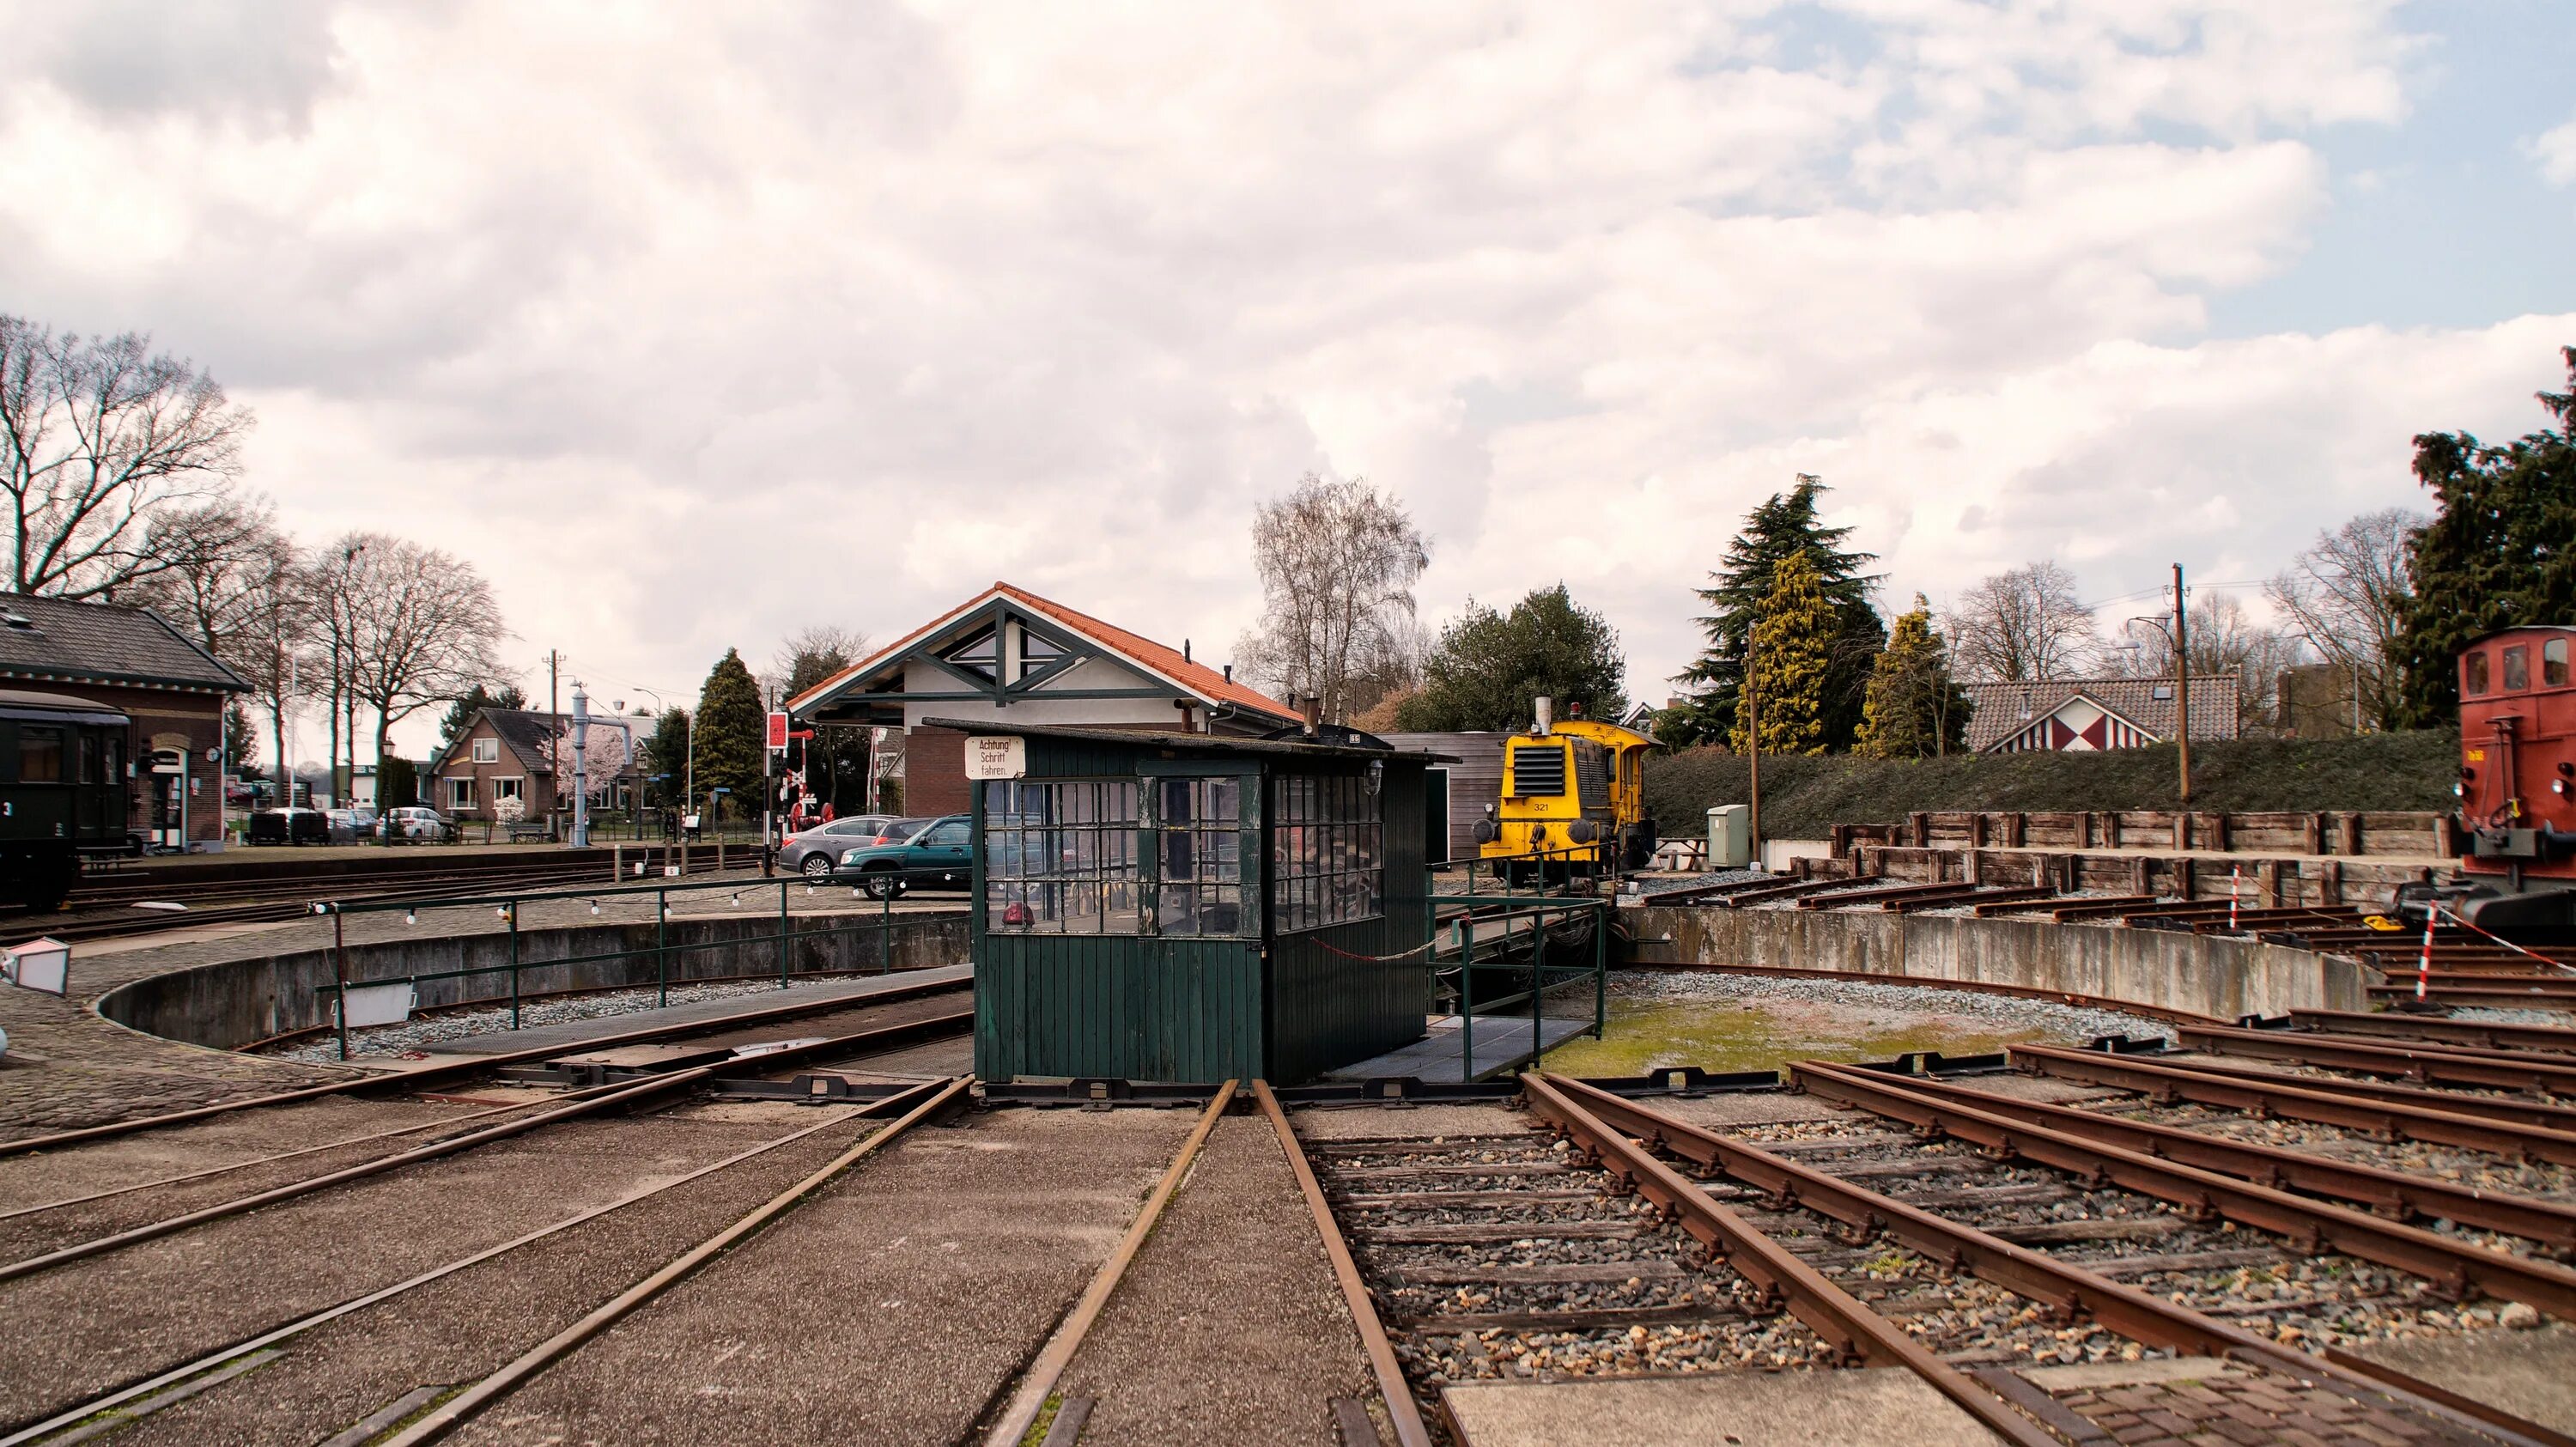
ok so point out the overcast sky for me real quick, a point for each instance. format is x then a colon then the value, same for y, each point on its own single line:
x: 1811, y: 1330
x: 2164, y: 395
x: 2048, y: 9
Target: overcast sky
x: 690, y: 328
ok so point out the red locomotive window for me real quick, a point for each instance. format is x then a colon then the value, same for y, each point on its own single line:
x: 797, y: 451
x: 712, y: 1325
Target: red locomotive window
x: 2473, y: 673
x: 2517, y: 669
x: 2553, y: 663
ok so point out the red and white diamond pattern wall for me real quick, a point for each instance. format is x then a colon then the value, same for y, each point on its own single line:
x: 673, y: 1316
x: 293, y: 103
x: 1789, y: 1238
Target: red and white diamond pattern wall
x: 2079, y: 724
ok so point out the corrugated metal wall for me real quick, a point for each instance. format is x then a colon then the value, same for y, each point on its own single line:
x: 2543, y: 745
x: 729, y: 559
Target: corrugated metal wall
x: 1475, y: 781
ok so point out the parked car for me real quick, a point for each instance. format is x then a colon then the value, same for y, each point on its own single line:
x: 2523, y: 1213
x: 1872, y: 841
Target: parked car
x: 289, y: 826
x: 938, y: 856
x: 416, y: 824
x: 352, y: 825
x: 810, y: 852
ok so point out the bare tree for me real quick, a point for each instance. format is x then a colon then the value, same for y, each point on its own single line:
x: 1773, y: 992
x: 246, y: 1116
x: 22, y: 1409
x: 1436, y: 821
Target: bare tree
x: 2225, y: 638
x: 2023, y: 625
x: 422, y: 626
x: 271, y: 643
x: 101, y: 443
x: 2345, y: 596
x: 810, y: 656
x: 220, y: 558
x: 1338, y: 561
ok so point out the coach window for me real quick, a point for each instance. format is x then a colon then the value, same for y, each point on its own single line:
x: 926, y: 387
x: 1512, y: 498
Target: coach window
x: 2517, y: 669
x: 2473, y: 672
x: 40, y: 754
x: 2553, y: 663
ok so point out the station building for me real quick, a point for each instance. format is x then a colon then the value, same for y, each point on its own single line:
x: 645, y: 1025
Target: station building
x: 135, y: 662
x: 1010, y: 656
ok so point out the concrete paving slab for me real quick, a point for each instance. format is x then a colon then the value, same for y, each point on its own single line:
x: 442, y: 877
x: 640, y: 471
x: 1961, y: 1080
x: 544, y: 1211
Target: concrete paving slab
x: 572, y: 1035
x: 1755, y: 1409
x: 1752, y: 1107
x: 2084, y: 1376
x: 2531, y: 1374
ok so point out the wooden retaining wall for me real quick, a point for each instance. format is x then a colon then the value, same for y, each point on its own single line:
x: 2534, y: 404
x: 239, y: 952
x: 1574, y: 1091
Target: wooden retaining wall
x: 2343, y: 834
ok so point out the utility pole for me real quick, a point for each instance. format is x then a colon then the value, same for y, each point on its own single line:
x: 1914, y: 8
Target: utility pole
x: 554, y: 723
x: 1752, y: 701
x: 2182, y: 683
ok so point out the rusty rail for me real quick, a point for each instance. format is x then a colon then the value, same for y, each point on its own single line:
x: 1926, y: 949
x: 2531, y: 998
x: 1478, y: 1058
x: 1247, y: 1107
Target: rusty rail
x: 2314, y: 1227
x: 458, y: 1069
x: 2458, y: 1120
x: 2126, y: 1310
x: 1805, y: 1292
x: 2549, y: 1222
x: 619, y: 1094
x: 937, y: 1097
x: 2409, y: 1062
x: 1038, y: 1383
x: 2475, y: 1033
x: 1401, y: 1412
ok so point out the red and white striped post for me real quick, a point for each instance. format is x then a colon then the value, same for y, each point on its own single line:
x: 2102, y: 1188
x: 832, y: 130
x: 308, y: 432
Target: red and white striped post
x: 2424, y: 961
x: 2235, y: 877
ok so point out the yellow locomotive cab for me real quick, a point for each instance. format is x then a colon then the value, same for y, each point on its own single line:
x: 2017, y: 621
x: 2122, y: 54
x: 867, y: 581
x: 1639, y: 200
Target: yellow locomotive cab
x: 1572, y: 801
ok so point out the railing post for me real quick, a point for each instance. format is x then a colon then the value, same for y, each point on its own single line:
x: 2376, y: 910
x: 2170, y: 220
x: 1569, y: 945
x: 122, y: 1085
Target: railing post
x: 782, y: 931
x: 513, y: 908
x: 662, y: 945
x: 340, y: 972
x: 885, y: 932
x: 1538, y: 988
x: 1600, y: 969
x: 1467, y: 1000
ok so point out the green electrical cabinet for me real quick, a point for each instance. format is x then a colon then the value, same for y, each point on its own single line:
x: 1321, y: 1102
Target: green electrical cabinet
x: 1190, y: 907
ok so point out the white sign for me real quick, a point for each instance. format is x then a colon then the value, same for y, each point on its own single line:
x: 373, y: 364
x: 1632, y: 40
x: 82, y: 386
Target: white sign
x: 992, y: 758
x: 380, y: 1004
x: 43, y: 964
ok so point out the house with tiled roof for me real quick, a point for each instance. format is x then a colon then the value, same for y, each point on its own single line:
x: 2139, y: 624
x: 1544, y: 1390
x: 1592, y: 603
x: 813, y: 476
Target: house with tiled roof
x: 510, y: 753
x: 136, y: 662
x: 2085, y: 714
x: 1008, y: 655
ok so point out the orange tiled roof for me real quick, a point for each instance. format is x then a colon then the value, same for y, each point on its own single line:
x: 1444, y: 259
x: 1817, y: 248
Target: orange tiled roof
x: 1195, y: 677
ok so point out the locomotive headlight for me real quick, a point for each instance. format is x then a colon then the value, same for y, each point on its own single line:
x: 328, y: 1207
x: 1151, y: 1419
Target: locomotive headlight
x: 2459, y: 790
x: 2558, y: 787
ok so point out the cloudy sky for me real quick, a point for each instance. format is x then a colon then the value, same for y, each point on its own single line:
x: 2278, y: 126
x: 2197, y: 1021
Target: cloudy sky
x: 693, y: 325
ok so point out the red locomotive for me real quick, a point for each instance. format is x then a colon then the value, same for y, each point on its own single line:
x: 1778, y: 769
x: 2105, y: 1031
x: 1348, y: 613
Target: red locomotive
x: 2517, y: 783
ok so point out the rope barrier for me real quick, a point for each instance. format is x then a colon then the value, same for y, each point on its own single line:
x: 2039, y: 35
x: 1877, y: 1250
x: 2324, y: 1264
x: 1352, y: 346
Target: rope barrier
x: 2434, y: 907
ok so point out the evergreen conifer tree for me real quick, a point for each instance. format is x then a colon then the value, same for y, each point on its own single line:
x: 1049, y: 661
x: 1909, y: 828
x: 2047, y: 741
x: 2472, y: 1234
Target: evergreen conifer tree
x: 1782, y: 527
x: 1914, y: 708
x: 1794, y: 631
x: 666, y: 754
x: 729, y: 728
x: 2499, y: 552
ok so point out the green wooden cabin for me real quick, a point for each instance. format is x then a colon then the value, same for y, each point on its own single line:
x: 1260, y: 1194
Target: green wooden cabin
x: 1185, y: 907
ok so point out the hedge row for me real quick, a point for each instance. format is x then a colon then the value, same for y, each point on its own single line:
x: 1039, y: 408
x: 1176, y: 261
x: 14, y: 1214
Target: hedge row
x: 1803, y: 797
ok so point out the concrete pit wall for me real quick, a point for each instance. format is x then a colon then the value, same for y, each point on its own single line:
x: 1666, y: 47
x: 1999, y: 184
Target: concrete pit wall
x: 2166, y: 969
x: 238, y: 1002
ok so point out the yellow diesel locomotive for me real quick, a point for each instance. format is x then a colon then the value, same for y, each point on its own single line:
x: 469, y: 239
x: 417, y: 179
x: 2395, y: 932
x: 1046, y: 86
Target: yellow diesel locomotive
x: 1573, y: 802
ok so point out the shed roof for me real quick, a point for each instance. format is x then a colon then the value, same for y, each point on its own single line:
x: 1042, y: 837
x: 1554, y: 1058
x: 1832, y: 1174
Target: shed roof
x: 2001, y: 710
x: 1158, y: 659
x: 104, y: 643
x: 1195, y: 743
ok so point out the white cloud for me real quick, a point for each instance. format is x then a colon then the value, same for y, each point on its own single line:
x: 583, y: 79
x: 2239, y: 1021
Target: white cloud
x: 2555, y: 152
x: 691, y: 326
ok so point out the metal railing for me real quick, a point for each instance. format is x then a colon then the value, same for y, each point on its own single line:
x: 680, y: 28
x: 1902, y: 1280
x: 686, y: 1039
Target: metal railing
x: 785, y: 936
x: 1496, y: 913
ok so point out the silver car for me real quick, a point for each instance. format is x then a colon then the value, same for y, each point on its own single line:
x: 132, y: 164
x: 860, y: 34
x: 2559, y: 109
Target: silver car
x: 812, y: 852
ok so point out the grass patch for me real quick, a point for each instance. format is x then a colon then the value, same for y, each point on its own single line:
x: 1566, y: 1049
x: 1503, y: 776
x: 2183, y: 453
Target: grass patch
x: 1804, y: 797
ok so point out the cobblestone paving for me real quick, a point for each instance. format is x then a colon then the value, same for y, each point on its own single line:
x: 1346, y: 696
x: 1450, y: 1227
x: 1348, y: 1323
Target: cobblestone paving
x: 66, y: 1067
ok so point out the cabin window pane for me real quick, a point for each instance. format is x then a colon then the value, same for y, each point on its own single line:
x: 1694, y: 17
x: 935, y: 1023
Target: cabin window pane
x: 40, y: 754
x: 1328, y: 853
x: 1060, y: 857
x: 2473, y: 673
x: 2517, y: 669
x: 2553, y: 663
x: 1198, y: 844
x: 89, y: 764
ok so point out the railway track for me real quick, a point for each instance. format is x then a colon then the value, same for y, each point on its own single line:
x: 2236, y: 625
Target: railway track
x: 1975, y: 1240
x: 160, y: 1382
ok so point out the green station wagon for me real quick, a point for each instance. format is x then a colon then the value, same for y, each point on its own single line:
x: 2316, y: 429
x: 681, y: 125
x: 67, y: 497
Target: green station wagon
x: 939, y: 857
